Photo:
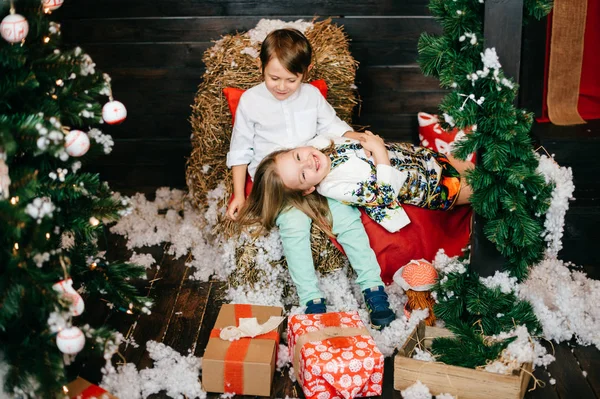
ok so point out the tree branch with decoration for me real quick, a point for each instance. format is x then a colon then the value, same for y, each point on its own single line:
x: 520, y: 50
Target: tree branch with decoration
x: 51, y: 213
x: 508, y: 192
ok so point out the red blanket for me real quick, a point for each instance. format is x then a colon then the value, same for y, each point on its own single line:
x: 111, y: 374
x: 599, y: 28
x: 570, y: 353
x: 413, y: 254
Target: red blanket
x: 427, y: 232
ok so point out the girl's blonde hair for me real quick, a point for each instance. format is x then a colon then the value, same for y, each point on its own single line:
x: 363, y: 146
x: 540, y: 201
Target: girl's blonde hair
x: 269, y: 197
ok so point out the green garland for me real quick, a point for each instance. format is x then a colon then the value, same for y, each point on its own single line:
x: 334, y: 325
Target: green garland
x: 507, y: 191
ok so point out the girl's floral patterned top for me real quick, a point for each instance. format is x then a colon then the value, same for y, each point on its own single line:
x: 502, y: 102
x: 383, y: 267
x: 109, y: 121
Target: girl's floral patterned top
x: 354, y: 179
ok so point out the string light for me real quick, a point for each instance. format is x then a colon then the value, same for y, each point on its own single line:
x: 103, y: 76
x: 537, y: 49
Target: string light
x: 93, y: 266
x: 14, y: 200
x: 54, y: 96
x: 47, y: 236
x: 94, y: 221
x: 46, y: 39
x: 16, y: 246
x: 59, y: 82
x: 65, y: 389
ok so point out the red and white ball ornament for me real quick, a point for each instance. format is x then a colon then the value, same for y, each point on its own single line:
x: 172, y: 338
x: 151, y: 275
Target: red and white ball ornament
x: 66, y: 288
x: 114, y: 112
x: 70, y: 340
x: 77, y: 143
x: 51, y: 5
x: 14, y: 28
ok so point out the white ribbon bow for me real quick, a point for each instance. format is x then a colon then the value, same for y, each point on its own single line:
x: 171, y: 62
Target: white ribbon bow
x: 249, y: 327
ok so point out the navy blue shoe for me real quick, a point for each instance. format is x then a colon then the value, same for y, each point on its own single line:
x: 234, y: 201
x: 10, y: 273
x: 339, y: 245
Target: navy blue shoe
x: 379, y: 308
x: 316, y: 306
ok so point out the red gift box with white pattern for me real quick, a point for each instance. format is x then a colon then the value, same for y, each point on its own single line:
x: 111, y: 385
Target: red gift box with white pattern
x: 334, y: 356
x: 434, y: 137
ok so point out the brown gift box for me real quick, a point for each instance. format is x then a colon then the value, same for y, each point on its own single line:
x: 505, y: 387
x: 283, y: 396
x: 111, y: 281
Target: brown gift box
x: 461, y: 382
x: 83, y: 389
x: 247, y: 364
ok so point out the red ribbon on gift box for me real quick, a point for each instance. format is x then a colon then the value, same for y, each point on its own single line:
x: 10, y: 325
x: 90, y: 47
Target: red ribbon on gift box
x: 236, y: 353
x: 333, y: 320
x: 330, y: 331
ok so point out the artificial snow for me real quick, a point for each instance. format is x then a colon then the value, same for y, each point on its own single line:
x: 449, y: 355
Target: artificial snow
x: 29, y: 392
x: 445, y: 264
x: 266, y: 26
x: 173, y: 373
x: 145, y: 260
x: 172, y: 219
x: 423, y: 355
x: 3, y: 372
x: 125, y: 382
x: 564, y: 301
x: 502, y: 281
x: 562, y: 178
x: 523, y: 349
x: 283, y: 357
x: 418, y: 390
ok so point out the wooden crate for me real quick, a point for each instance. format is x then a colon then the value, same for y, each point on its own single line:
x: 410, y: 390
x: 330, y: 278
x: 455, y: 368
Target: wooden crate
x: 461, y: 382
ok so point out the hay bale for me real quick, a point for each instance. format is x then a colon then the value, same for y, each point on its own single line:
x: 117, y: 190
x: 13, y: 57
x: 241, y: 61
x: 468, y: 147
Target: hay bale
x: 232, y: 62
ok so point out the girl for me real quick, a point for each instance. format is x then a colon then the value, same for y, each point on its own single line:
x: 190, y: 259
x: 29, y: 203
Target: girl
x: 394, y: 174
x: 283, y: 112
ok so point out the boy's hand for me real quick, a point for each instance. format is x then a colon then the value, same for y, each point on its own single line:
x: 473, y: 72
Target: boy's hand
x: 358, y: 136
x: 235, y: 206
x: 376, y: 146
x: 372, y: 142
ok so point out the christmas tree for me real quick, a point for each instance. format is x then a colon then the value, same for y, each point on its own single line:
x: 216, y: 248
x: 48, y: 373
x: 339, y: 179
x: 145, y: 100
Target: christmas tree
x: 52, y: 213
x: 508, y: 191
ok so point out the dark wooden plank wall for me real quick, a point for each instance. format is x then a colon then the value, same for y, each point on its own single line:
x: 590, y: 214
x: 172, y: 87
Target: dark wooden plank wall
x: 153, y: 52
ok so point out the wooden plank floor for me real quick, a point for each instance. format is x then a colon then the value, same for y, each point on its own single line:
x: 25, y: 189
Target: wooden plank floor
x: 186, y: 310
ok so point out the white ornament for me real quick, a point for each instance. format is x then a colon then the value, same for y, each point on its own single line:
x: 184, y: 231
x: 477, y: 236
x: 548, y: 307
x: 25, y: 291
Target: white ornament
x: 70, y: 340
x: 114, y: 112
x: 4, y: 178
x: 14, y: 28
x: 66, y: 288
x: 77, y: 143
x: 52, y: 5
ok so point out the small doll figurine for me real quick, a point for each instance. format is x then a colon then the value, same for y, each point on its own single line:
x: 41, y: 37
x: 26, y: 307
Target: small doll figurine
x: 417, y: 278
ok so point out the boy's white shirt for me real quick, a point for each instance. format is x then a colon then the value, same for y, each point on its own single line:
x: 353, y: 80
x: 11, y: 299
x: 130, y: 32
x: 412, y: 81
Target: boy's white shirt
x: 341, y: 183
x: 264, y: 124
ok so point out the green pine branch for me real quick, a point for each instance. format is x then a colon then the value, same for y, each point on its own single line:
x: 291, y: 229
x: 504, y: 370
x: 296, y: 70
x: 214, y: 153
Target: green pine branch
x: 507, y: 190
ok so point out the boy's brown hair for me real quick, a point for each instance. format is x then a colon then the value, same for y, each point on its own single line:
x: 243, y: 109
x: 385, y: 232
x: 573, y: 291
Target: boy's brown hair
x: 290, y: 47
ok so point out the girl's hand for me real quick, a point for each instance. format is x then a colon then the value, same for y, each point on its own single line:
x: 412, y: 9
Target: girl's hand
x: 376, y: 146
x: 234, y: 208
